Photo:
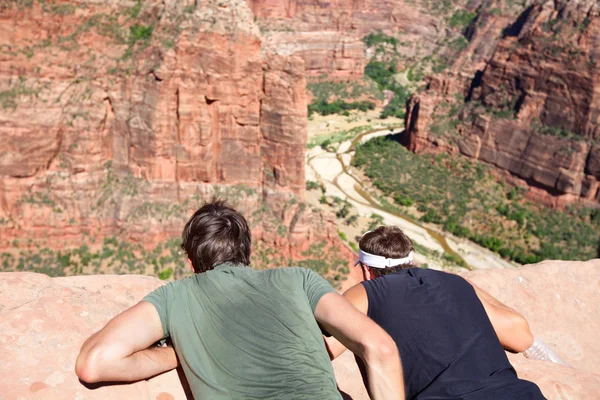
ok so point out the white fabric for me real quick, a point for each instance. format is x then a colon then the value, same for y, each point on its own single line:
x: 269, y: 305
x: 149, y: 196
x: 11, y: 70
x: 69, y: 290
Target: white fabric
x: 381, y: 262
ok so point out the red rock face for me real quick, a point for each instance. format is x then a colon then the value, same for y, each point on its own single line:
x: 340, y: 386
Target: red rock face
x: 540, y: 90
x: 328, y: 34
x: 120, y: 120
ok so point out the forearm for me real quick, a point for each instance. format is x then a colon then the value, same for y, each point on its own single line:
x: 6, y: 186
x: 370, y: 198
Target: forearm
x: 140, y: 365
x: 510, y: 326
x: 385, y: 376
x: 334, y: 347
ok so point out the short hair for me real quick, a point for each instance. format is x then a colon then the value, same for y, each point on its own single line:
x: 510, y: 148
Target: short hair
x: 388, y: 242
x: 216, y: 234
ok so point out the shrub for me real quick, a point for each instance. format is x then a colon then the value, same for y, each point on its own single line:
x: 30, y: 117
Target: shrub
x: 375, y: 221
x: 454, y: 259
x: 461, y: 19
x: 166, y: 274
x: 373, y: 39
x: 140, y: 32
x: 451, y: 192
x: 404, y: 200
x: 312, y: 185
x: 339, y: 107
x: 431, y: 216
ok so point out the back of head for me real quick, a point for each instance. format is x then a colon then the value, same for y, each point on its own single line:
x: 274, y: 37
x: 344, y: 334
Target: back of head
x: 388, y: 242
x: 215, y: 234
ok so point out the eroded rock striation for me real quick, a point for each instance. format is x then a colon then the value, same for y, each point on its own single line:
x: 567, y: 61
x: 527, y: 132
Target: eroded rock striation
x: 44, y: 321
x: 120, y: 118
x: 327, y: 35
x: 531, y: 100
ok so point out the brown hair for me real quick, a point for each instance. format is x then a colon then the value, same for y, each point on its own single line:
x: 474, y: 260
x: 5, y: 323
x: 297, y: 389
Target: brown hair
x: 388, y: 242
x: 215, y: 234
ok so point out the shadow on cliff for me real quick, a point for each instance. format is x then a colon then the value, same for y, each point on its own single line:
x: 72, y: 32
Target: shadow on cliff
x: 515, y: 28
x: 403, y: 138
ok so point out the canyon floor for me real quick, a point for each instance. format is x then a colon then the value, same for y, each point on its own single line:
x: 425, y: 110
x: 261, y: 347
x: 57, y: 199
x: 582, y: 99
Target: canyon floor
x: 329, y: 166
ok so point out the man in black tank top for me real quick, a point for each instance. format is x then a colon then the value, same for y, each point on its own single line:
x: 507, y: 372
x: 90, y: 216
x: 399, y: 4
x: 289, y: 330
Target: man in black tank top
x: 451, y: 335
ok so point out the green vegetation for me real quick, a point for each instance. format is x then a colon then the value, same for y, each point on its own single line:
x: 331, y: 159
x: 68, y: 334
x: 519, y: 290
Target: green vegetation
x: 312, y: 185
x: 329, y: 140
x: 556, y: 131
x: 59, y: 9
x: 139, y: 32
x: 134, y: 11
x: 458, y: 44
x: 9, y: 98
x: 21, y: 4
x: 333, y: 97
x: 454, y: 260
x: 375, y: 221
x: 323, y: 89
x: 343, y: 210
x: 461, y: 19
x: 110, y: 256
x: 379, y: 40
x: 384, y: 73
x: 464, y: 199
x: 339, y: 107
x: 326, y: 262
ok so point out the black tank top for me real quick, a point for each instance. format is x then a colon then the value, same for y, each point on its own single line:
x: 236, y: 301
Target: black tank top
x: 447, y: 344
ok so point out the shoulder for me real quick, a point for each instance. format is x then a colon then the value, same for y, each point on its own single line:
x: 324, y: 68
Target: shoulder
x: 299, y: 272
x: 170, y: 288
x: 357, y: 295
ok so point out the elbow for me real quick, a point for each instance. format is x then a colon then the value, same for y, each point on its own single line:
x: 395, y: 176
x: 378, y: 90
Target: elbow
x: 86, y: 367
x: 525, y: 337
x: 382, y: 350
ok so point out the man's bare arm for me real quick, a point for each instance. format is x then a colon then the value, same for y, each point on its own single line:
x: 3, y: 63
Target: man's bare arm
x: 357, y: 296
x: 368, y: 341
x: 511, y: 327
x: 120, y: 351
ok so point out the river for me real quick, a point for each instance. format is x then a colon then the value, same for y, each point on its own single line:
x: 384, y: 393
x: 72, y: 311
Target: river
x: 333, y: 170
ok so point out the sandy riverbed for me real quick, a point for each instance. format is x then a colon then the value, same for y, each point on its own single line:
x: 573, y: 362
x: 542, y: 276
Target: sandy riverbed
x: 328, y: 169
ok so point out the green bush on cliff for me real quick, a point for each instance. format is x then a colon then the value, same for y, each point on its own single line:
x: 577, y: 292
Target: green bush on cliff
x: 323, y: 107
x: 383, y: 72
x: 139, y: 32
x: 461, y: 19
x: 379, y: 38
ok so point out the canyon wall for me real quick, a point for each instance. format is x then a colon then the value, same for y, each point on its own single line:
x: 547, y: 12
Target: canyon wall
x: 327, y: 35
x: 120, y: 118
x: 531, y: 108
x: 44, y: 321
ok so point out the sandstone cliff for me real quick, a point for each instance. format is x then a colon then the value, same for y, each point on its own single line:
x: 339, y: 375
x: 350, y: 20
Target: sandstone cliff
x: 328, y: 34
x: 119, y: 118
x: 45, y: 320
x: 530, y: 100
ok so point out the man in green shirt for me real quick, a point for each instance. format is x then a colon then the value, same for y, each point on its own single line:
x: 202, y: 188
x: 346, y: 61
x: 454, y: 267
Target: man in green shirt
x: 240, y: 333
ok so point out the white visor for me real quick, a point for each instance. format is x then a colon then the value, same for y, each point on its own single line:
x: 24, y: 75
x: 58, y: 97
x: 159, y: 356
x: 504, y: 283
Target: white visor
x: 381, y: 262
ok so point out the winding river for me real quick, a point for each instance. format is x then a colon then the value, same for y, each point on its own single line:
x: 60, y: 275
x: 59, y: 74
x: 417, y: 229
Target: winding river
x: 333, y: 170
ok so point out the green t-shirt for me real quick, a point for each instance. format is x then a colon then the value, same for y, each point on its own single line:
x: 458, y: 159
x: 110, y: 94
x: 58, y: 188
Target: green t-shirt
x: 246, y: 334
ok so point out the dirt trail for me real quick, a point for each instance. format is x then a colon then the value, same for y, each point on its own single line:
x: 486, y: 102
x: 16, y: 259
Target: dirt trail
x: 334, y: 172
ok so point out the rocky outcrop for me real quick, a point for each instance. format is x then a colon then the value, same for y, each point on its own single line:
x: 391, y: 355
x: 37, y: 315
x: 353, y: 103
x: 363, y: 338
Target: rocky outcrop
x: 120, y: 118
x: 44, y: 323
x: 45, y: 320
x: 328, y: 34
x: 532, y: 109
